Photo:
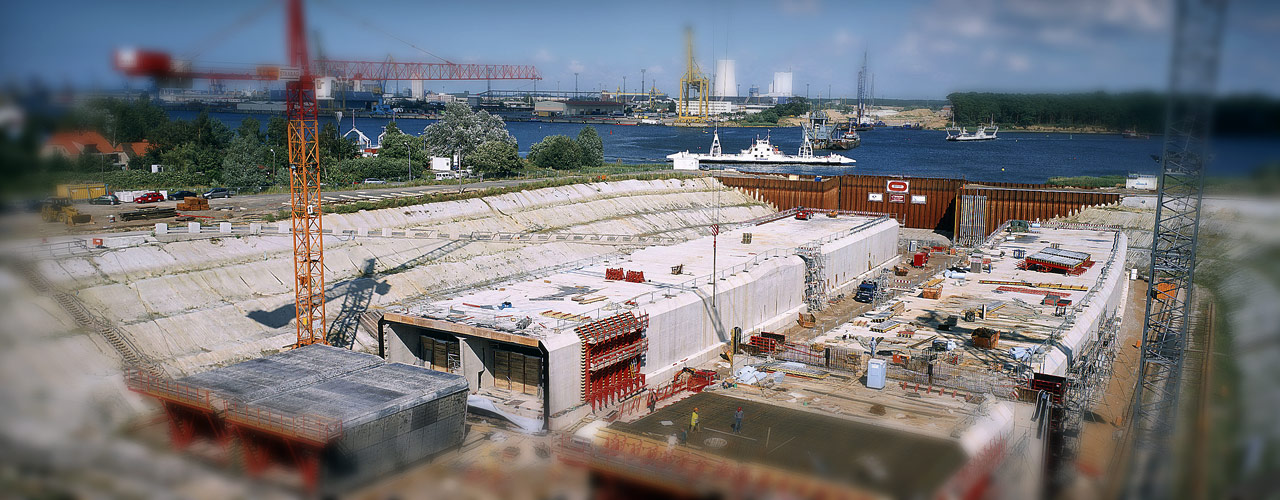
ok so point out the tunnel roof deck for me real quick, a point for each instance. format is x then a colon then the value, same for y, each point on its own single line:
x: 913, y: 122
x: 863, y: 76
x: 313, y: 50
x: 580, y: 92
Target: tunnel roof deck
x: 550, y: 301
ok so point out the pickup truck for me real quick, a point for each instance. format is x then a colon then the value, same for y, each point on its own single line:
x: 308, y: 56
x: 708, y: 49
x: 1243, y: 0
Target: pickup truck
x: 866, y: 291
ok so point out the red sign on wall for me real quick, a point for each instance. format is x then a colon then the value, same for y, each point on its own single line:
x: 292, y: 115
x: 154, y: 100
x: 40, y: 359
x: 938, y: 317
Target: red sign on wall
x: 897, y: 198
x: 896, y: 186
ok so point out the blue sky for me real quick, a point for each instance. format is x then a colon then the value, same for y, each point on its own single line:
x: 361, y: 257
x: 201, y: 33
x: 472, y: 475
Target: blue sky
x: 922, y: 49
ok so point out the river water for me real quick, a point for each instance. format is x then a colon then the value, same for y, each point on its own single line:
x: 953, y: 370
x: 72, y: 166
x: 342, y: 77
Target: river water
x: 1014, y: 157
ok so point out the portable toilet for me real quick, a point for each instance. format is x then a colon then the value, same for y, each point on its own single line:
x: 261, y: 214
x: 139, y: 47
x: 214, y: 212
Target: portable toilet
x: 875, y: 374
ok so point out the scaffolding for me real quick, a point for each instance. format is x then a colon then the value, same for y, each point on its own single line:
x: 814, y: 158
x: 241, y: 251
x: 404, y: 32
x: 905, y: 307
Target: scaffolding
x: 815, y: 276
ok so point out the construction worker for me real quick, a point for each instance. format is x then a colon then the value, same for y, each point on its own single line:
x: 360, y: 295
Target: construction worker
x: 693, y: 421
x: 737, y: 421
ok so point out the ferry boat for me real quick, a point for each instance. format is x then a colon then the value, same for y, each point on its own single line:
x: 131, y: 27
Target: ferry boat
x: 761, y: 152
x: 957, y: 134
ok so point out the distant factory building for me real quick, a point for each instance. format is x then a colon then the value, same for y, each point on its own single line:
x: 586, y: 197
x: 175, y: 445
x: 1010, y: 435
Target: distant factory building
x: 582, y: 108
x: 549, y: 108
x: 717, y: 108
x: 781, y: 86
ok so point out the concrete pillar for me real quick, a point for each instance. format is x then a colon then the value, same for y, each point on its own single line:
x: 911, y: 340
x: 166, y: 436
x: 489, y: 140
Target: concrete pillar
x: 403, y: 344
x: 193, y: 227
x: 162, y: 229
x: 255, y: 228
x: 224, y: 227
x: 475, y: 363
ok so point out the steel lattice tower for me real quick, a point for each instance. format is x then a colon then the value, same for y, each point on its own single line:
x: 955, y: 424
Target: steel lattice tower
x: 1192, y: 79
x: 304, y: 188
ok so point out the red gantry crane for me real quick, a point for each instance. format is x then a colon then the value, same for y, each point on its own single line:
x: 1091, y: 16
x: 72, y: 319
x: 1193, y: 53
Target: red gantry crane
x: 304, y: 172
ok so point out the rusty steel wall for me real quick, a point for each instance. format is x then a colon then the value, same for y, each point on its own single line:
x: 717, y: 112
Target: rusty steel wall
x: 784, y: 194
x: 1004, y: 201
x: 1034, y: 202
x: 935, y: 213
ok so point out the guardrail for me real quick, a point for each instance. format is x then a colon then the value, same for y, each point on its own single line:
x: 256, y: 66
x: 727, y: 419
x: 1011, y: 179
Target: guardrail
x: 284, y: 229
x: 312, y: 428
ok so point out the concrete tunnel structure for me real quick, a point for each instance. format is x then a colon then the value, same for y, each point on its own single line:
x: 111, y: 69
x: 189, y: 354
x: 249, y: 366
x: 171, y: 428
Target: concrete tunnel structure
x: 557, y: 347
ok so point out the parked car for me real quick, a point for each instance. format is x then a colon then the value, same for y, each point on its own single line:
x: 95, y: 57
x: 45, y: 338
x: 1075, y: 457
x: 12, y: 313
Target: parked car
x: 106, y: 199
x: 181, y: 195
x: 373, y: 180
x: 151, y: 197
x: 218, y: 193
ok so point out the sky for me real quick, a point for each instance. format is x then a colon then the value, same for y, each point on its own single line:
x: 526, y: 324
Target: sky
x: 918, y: 50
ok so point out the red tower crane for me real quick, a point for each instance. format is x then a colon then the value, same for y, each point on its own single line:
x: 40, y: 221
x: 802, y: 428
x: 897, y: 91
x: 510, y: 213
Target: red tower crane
x: 301, y: 110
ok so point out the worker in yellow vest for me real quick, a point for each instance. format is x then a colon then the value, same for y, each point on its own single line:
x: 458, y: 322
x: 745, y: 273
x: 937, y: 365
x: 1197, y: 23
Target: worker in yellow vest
x: 693, y: 421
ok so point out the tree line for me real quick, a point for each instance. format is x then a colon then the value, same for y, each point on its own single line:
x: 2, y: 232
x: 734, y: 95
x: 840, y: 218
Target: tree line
x: 1140, y: 111
x: 205, y: 152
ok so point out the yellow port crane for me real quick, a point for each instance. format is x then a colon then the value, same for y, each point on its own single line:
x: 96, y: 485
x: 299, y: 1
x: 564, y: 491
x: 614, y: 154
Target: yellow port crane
x: 692, y: 82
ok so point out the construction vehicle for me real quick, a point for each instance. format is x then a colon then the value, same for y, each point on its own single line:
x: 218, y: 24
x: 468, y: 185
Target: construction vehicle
x: 59, y: 209
x: 866, y: 291
x: 51, y: 209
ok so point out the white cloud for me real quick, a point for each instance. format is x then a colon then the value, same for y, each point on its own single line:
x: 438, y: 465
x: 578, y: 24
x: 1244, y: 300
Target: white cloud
x: 544, y: 56
x: 576, y: 67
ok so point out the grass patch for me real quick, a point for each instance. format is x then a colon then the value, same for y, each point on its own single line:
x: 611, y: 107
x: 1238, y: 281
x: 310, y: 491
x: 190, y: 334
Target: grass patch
x: 1088, y: 181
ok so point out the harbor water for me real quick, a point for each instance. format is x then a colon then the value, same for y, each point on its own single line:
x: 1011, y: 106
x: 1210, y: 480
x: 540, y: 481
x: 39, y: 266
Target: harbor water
x: 1014, y: 157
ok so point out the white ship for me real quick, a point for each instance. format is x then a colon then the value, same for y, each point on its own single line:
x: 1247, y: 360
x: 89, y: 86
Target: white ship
x: 960, y: 134
x: 760, y: 152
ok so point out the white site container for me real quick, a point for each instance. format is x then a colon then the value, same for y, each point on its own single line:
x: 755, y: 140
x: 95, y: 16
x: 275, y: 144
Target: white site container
x: 875, y: 374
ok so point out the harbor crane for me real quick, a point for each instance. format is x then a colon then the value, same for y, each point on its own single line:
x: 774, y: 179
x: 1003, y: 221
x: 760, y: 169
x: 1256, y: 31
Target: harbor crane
x: 299, y: 78
x: 693, y: 81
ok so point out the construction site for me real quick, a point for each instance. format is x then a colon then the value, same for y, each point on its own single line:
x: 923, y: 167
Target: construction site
x: 592, y: 337
x: 704, y: 335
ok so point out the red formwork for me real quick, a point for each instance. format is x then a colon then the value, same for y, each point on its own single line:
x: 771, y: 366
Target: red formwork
x: 294, y: 441
x: 192, y: 413
x: 612, y: 353
x: 265, y: 437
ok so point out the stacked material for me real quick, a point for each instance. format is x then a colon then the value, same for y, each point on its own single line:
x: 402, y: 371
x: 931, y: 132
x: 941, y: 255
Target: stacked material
x: 193, y: 203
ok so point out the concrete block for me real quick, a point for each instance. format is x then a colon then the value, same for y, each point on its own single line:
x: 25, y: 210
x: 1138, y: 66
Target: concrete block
x: 193, y: 227
x: 224, y: 227
x: 255, y: 228
x: 362, y: 231
x: 284, y: 227
x: 162, y: 229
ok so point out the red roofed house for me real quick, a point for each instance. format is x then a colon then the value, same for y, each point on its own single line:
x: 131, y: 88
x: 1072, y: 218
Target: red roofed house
x: 73, y: 145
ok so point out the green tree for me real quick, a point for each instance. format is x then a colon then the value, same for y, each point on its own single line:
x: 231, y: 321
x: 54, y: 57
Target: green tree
x: 671, y: 107
x: 243, y: 165
x: 399, y: 147
x: 461, y: 131
x: 251, y: 128
x: 591, y: 147
x: 334, y: 147
x: 556, y: 151
x: 495, y: 159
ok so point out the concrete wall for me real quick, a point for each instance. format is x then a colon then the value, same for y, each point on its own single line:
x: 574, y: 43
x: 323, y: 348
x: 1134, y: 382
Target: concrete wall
x: 200, y: 303
x: 848, y: 258
x: 1104, y: 300
x: 375, y: 449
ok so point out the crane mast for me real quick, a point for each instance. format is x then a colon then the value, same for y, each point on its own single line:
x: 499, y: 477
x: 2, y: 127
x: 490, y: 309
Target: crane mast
x: 304, y: 187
